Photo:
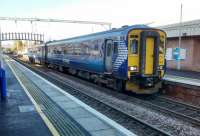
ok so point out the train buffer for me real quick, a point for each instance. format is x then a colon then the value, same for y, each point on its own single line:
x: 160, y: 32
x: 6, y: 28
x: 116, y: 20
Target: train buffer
x: 37, y: 107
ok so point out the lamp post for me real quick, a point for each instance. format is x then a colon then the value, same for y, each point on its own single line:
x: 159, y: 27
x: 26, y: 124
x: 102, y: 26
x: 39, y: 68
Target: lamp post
x: 179, y: 41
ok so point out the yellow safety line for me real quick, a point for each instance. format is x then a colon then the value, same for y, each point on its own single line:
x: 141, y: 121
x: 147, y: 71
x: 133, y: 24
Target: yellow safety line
x: 37, y: 107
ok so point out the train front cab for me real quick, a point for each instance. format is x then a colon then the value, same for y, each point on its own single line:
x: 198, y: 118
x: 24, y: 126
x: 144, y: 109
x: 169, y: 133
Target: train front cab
x: 146, y: 49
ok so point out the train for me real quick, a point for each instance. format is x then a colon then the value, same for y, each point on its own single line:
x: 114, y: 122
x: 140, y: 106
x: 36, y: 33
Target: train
x: 130, y: 58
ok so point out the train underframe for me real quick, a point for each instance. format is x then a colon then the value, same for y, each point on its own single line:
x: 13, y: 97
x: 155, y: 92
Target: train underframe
x: 138, y: 85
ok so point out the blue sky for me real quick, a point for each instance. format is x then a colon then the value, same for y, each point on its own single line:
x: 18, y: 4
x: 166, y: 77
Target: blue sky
x: 116, y: 11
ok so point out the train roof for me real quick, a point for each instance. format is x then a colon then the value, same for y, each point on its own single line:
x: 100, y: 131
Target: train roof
x: 122, y: 30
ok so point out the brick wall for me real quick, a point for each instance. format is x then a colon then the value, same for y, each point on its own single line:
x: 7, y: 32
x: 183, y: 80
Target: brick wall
x: 192, y: 46
x: 196, y: 55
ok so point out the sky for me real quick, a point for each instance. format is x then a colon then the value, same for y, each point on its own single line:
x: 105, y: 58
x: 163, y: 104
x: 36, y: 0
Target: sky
x: 117, y: 12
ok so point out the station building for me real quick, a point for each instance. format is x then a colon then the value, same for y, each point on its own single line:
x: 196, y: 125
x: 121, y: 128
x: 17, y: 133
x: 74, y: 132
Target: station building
x: 189, y: 48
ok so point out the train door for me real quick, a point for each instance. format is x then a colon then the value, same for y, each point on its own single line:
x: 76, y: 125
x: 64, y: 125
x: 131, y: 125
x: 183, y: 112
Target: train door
x: 108, y: 55
x: 150, y: 42
x: 149, y: 65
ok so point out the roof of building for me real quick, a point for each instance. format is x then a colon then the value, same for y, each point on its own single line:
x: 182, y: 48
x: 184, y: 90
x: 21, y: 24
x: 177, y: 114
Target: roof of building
x: 189, y: 28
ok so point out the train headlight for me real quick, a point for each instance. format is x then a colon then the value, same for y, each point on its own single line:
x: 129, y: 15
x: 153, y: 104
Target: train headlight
x: 133, y: 68
x: 160, y: 67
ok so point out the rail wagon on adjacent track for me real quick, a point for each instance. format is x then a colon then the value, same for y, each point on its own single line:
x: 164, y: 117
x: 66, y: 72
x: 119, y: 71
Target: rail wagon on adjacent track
x: 130, y: 58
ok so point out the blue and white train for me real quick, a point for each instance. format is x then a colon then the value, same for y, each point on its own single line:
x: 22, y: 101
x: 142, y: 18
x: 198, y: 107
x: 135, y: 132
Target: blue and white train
x: 128, y: 58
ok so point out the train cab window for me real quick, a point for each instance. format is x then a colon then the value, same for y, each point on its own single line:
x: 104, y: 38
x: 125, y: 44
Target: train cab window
x: 134, y: 47
x: 115, y: 47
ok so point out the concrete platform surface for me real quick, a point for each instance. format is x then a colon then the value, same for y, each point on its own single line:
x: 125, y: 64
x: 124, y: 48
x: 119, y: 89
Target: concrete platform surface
x: 184, y: 77
x: 69, y: 108
x: 182, y: 73
x: 183, y: 80
x: 18, y: 116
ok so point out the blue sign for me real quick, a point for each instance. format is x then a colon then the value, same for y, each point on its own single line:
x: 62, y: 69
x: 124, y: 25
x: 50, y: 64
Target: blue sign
x: 176, y: 53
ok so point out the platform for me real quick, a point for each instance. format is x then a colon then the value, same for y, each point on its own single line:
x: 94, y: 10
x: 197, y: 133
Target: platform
x: 45, y: 109
x: 183, y: 73
x: 18, y: 116
x: 183, y: 77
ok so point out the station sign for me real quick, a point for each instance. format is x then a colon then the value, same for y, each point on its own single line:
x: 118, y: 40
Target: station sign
x: 176, y: 53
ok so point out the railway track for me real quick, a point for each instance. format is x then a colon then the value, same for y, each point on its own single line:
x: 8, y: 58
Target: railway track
x: 181, y: 110
x: 131, y: 122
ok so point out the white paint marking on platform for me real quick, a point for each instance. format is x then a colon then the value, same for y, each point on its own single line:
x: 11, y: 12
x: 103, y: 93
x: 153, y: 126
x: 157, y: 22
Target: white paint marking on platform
x: 88, y: 108
x: 13, y: 91
x: 26, y: 108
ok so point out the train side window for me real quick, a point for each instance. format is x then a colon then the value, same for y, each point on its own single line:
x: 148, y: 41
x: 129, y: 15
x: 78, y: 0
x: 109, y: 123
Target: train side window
x: 134, y: 47
x: 64, y: 51
x: 54, y: 51
x: 115, y: 47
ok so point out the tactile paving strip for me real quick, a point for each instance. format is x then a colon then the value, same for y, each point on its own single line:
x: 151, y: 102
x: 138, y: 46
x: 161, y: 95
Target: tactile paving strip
x: 63, y: 123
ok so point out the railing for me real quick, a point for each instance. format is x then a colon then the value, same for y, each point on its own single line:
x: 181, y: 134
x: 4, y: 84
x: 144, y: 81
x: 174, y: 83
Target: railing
x: 21, y: 36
